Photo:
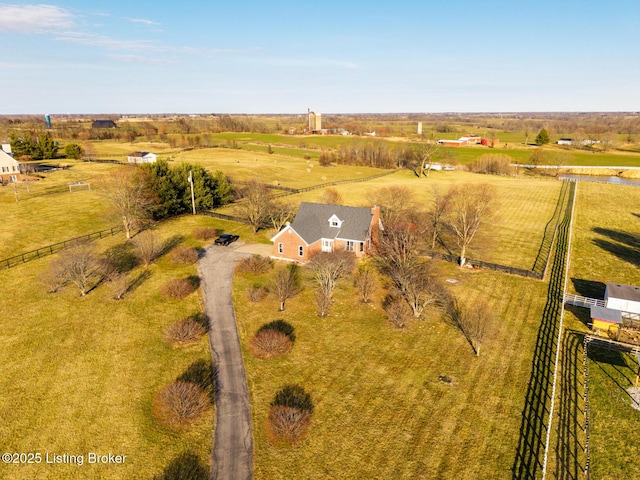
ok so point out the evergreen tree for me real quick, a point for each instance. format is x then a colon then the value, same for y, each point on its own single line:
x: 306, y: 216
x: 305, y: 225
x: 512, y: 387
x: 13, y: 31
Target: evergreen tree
x: 73, y: 150
x: 543, y: 137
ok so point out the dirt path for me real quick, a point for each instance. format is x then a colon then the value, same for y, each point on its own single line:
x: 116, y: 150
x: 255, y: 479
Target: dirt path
x: 233, y: 438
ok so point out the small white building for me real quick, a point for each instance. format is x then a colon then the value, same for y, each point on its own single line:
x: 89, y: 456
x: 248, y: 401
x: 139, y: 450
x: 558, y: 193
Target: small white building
x: 625, y: 298
x: 565, y: 141
x: 142, y: 157
x: 9, y: 167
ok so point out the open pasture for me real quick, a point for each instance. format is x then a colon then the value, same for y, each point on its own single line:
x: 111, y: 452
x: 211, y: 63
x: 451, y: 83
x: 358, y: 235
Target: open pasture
x: 289, y: 171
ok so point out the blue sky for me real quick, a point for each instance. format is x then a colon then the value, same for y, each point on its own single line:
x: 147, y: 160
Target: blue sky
x: 335, y: 57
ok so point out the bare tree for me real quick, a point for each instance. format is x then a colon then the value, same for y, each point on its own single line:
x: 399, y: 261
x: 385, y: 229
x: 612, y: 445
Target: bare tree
x: 425, y: 154
x: 147, y: 247
x: 127, y: 192
x: 279, y: 213
x: 254, y: 204
x: 420, y: 287
x: 76, y: 265
x: 470, y: 208
x: 474, y: 319
x: 331, y: 196
x: 365, y: 283
x: 286, y: 283
x: 436, y: 216
x: 328, y: 268
x: 88, y: 152
x: 395, y: 204
x: 397, y: 310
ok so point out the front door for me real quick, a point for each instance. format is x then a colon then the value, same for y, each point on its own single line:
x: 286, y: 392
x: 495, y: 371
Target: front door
x: 327, y: 245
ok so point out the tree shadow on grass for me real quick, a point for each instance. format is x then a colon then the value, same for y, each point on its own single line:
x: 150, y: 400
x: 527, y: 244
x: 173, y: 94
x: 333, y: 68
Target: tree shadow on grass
x: 170, y: 244
x: 186, y: 466
x: 623, y: 252
x: 203, y: 374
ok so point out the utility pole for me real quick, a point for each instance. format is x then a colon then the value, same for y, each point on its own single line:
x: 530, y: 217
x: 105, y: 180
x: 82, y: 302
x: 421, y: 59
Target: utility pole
x: 193, y: 198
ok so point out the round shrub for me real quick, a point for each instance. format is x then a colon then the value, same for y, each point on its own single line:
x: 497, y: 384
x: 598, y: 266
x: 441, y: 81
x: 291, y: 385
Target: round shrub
x: 289, y: 417
x: 204, y: 233
x: 178, y: 288
x: 185, y: 332
x: 180, y: 404
x: 255, y: 264
x: 272, y: 340
x: 184, y: 255
x: 256, y: 293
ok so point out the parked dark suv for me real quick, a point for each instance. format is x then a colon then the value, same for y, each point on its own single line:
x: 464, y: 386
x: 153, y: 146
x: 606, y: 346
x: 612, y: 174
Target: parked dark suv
x: 226, y: 239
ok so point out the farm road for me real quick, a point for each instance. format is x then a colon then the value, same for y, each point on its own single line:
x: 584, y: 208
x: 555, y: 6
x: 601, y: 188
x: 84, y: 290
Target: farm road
x: 233, y: 438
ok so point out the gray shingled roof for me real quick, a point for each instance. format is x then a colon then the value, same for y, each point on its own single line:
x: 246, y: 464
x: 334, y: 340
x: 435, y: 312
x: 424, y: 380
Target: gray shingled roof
x: 625, y: 292
x: 312, y: 222
x: 607, y: 314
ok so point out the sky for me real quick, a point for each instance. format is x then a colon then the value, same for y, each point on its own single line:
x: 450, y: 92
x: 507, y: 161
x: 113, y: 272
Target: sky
x: 131, y: 56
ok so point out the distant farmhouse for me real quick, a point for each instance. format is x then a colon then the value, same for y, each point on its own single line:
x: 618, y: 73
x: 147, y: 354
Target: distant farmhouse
x: 103, y: 124
x: 327, y: 228
x: 565, y: 141
x: 142, y: 157
x: 9, y: 167
x: 469, y: 139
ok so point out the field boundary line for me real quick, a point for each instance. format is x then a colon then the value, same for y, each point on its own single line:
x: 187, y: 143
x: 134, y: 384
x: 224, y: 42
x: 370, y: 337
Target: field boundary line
x: 560, y: 330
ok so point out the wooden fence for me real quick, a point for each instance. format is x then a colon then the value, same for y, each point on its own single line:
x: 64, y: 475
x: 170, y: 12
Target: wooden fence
x: 55, y: 247
x: 521, y: 272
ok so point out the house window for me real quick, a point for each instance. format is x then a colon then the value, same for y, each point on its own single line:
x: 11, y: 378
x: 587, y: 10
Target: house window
x: 362, y: 246
x: 280, y: 248
x: 349, y: 246
x: 301, y: 250
x: 334, y: 223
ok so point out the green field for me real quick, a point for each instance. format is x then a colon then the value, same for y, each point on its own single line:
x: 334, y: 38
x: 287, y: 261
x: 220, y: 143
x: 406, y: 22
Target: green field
x: 380, y: 410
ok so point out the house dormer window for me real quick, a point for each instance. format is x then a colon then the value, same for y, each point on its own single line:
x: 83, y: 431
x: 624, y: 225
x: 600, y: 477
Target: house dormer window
x: 335, y: 222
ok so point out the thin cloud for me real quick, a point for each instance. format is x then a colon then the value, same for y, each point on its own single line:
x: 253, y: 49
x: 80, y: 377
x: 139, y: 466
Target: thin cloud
x: 144, y: 21
x: 304, y: 62
x: 34, y: 18
x: 138, y: 59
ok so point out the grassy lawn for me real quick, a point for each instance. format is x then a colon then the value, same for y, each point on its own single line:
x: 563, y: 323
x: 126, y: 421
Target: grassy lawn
x: 380, y: 409
x: 605, y: 248
x: 79, y: 374
x: 50, y: 213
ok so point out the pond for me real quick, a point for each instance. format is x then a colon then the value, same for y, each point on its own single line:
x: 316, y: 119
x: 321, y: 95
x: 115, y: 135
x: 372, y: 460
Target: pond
x: 601, y: 179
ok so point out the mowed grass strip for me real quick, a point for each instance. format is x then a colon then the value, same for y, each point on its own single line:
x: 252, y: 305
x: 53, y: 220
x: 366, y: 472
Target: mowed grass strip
x: 380, y: 409
x: 79, y: 374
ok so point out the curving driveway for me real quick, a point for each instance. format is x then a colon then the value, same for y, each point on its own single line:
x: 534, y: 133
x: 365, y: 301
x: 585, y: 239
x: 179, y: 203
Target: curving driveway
x: 233, y: 438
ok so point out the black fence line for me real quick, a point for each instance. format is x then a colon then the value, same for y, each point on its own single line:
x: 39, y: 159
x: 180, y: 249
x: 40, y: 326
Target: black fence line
x: 223, y: 216
x: 521, y: 272
x: 55, y: 247
x: 97, y: 160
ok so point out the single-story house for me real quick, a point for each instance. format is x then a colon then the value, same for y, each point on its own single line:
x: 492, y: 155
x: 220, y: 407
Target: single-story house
x: 565, y: 141
x: 320, y: 227
x: 625, y: 298
x: 142, y: 157
x: 103, y: 124
x: 9, y: 167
